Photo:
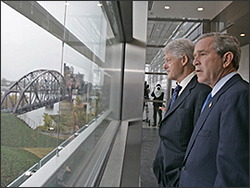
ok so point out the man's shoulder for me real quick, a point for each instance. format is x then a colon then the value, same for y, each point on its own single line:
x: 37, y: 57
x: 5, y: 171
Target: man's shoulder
x: 203, y: 88
x: 239, y: 81
x: 235, y: 84
x: 200, y: 89
x: 239, y: 86
x: 198, y: 85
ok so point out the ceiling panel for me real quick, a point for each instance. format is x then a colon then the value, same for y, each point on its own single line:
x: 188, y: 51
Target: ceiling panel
x: 159, y: 32
x: 188, y: 9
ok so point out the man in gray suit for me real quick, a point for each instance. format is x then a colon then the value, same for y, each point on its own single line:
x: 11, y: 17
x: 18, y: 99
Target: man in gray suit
x: 181, y: 115
x: 218, y: 150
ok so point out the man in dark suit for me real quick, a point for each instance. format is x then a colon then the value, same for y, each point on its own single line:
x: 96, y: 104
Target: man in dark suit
x: 218, y: 151
x: 180, y: 117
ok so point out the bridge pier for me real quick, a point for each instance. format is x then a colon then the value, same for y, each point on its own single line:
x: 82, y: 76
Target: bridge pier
x: 50, y: 106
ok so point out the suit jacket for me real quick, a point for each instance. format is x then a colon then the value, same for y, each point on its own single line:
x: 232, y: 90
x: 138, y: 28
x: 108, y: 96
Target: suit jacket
x: 175, y: 131
x: 218, y: 151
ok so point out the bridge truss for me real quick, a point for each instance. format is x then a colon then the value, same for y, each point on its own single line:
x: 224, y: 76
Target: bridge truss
x: 37, y: 89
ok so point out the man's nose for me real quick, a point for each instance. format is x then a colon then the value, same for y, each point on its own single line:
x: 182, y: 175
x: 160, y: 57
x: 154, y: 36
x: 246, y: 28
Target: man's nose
x: 165, y: 66
x: 195, y: 61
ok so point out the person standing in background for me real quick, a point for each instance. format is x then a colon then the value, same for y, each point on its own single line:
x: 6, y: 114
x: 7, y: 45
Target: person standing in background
x: 145, y: 104
x: 181, y: 113
x: 158, y: 95
x: 218, y: 151
x: 146, y: 92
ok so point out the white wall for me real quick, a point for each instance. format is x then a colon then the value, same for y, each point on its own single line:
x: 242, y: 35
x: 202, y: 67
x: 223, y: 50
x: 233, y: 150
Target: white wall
x: 244, y: 62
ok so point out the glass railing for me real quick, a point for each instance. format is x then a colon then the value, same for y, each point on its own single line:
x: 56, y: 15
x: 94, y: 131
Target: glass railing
x: 82, y: 153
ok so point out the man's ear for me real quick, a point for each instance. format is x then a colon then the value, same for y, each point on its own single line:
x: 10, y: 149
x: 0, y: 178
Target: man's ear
x: 227, y: 59
x: 184, y: 60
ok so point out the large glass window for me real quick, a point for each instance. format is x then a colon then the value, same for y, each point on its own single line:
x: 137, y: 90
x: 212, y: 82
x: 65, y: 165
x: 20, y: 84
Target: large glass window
x: 56, y: 80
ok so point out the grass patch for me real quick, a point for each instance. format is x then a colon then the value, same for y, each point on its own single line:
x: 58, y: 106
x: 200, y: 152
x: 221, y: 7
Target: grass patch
x: 21, y: 147
x: 16, y: 133
x: 39, y: 152
x: 14, y: 162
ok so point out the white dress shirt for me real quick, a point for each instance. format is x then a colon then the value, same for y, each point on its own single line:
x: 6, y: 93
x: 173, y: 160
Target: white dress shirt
x: 185, y: 81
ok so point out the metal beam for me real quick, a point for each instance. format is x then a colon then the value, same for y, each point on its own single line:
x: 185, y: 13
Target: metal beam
x: 178, y: 19
x: 157, y: 73
x: 155, y: 46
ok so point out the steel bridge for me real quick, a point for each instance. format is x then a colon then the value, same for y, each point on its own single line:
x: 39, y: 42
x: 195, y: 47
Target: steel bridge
x: 37, y: 89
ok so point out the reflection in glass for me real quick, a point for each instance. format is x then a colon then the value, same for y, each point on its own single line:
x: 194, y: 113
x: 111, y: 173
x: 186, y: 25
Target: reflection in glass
x: 27, y: 47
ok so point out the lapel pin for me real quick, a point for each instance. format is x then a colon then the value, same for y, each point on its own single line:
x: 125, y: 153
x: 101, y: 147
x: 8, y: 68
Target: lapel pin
x: 211, y: 103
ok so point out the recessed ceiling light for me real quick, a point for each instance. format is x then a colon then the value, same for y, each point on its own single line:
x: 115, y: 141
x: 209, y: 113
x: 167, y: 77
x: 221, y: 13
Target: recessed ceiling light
x: 67, y: 4
x: 200, y: 8
x: 167, y: 7
x: 99, y: 4
x: 242, y: 34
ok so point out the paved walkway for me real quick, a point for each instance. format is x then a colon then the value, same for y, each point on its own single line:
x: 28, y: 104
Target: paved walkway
x: 150, y: 140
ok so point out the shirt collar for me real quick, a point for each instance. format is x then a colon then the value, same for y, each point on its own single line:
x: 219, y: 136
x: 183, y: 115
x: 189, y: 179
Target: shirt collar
x: 185, y: 81
x: 221, y: 82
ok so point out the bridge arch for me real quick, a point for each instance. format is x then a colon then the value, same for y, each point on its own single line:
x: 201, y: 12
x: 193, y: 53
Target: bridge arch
x: 35, y: 90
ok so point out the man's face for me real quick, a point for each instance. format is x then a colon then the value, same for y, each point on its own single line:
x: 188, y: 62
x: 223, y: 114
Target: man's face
x: 173, y: 66
x: 208, y: 65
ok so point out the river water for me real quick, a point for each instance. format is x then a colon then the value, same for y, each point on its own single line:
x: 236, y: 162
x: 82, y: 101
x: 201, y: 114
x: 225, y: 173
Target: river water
x: 35, y: 118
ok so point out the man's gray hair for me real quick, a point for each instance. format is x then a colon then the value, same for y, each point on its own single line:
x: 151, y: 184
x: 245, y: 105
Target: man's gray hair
x: 179, y: 47
x: 224, y: 43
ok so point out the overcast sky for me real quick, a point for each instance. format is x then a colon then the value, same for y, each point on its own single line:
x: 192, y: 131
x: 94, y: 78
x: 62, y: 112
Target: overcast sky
x: 25, y: 47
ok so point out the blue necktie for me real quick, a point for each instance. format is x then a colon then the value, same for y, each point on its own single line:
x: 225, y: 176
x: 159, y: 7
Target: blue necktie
x: 208, y: 98
x: 175, y: 95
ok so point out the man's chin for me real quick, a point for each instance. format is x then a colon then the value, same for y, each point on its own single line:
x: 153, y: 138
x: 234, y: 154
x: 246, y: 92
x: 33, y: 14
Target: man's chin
x: 200, y: 80
x: 170, y: 77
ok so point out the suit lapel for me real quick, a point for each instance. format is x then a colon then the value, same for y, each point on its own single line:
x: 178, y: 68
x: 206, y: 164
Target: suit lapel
x: 183, y: 95
x: 201, y: 120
